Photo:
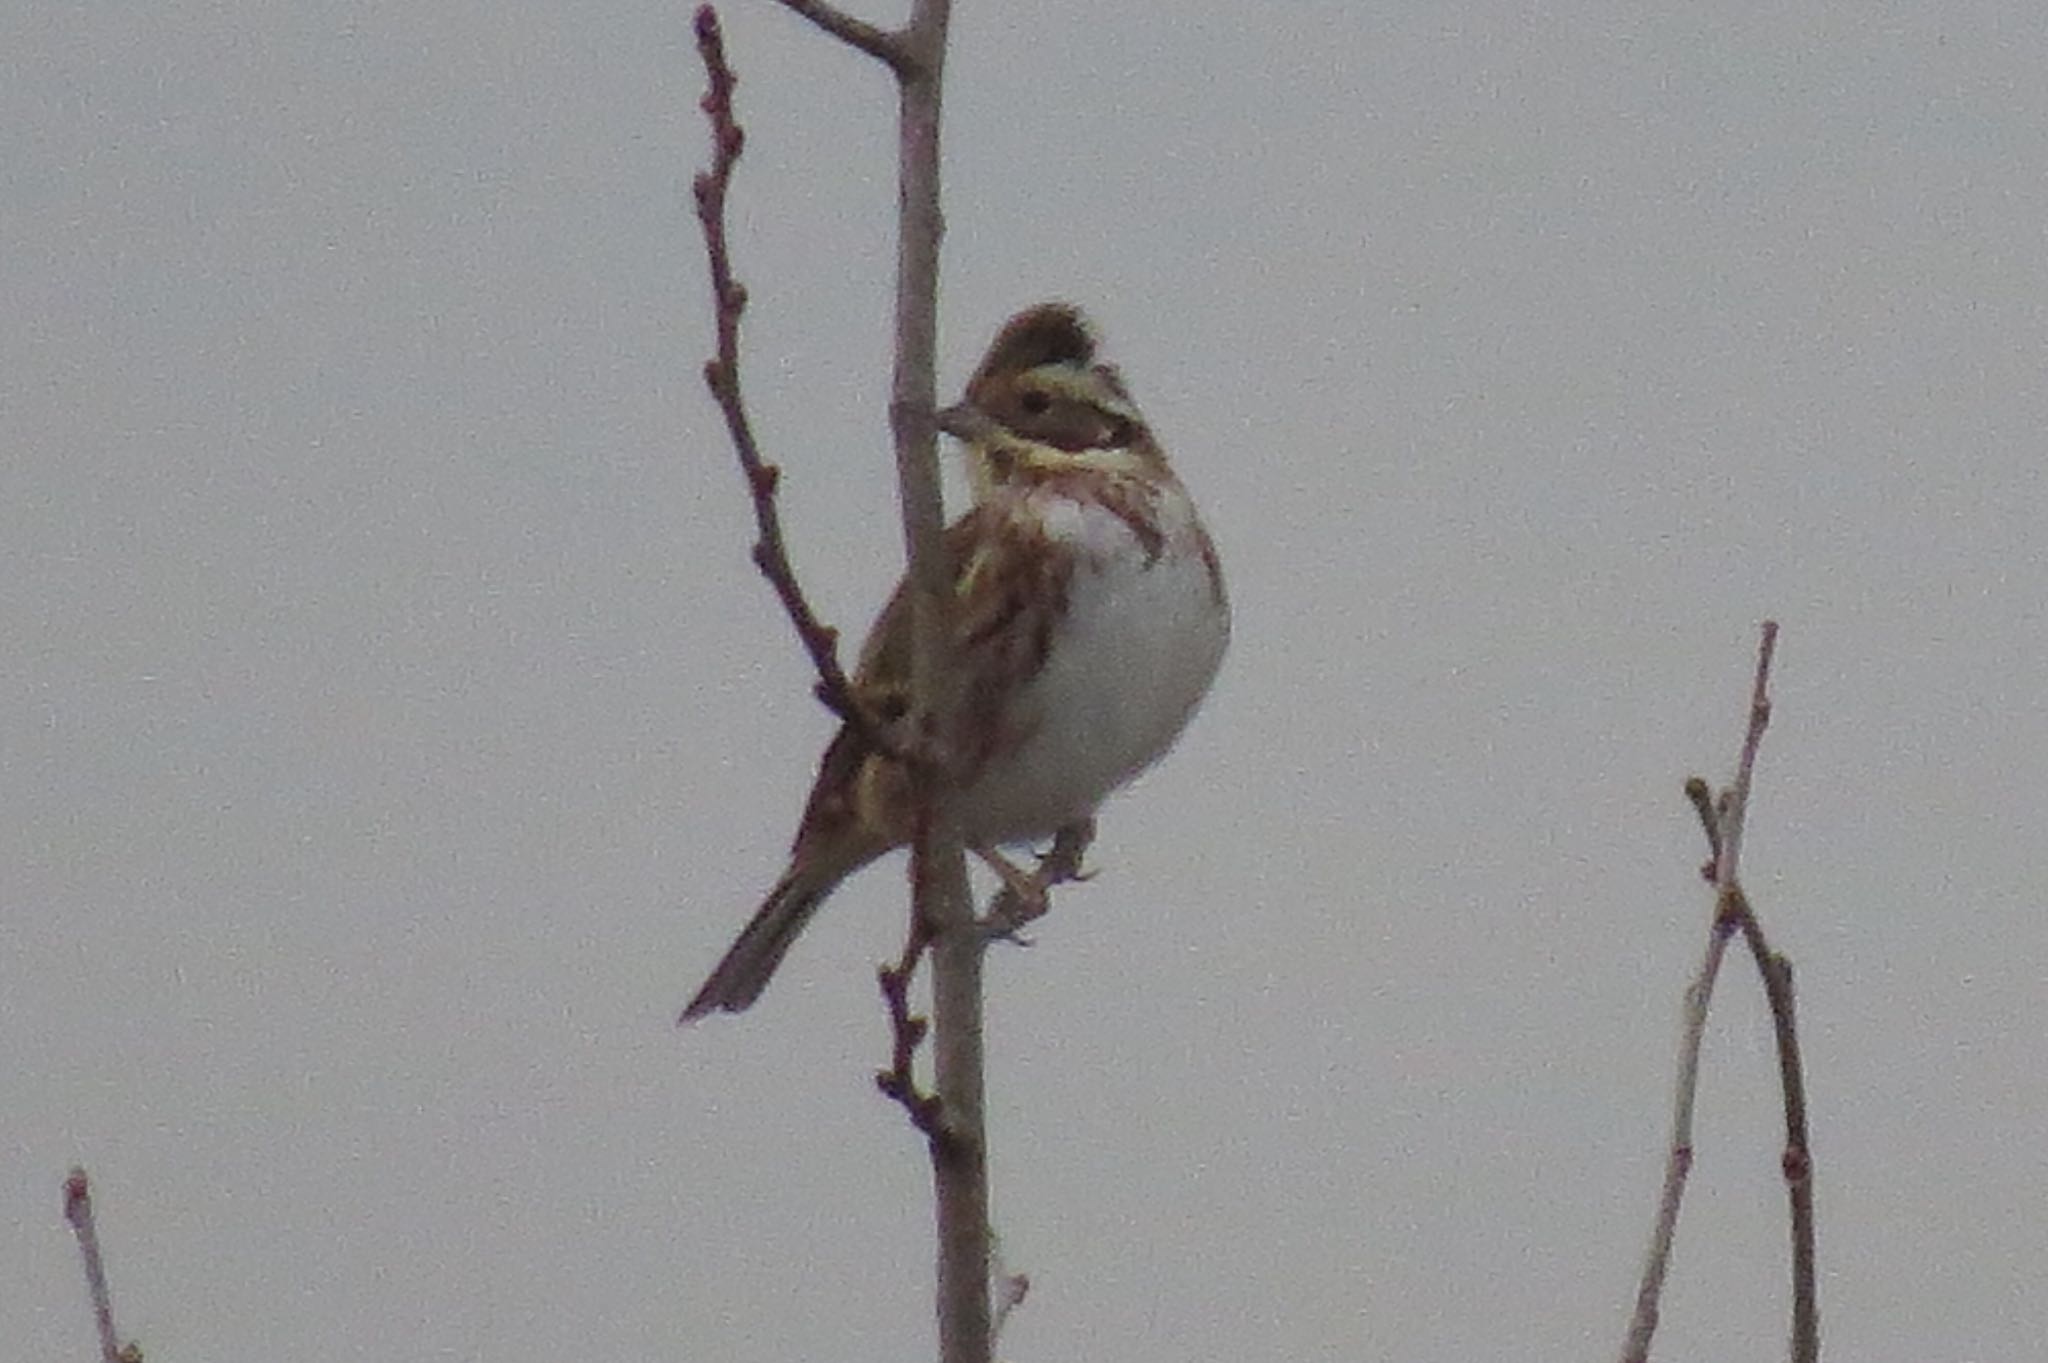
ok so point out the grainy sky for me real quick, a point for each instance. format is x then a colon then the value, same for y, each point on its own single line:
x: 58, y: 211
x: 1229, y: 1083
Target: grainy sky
x: 392, y: 730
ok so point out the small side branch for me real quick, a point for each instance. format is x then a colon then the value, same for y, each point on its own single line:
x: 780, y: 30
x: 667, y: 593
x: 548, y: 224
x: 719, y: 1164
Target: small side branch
x: 1010, y: 1288
x: 722, y: 377
x: 78, y: 1212
x: 1722, y: 818
x: 1012, y: 907
x: 877, y: 43
x: 907, y: 1032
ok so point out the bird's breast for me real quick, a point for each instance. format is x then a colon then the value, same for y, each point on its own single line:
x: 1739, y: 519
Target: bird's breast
x: 1127, y: 663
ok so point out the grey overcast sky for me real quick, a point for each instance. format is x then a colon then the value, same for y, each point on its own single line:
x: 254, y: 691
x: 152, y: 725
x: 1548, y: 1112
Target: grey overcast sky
x: 393, y: 730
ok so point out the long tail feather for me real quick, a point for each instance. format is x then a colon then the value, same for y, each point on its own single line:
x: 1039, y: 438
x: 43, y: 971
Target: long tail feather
x: 750, y: 962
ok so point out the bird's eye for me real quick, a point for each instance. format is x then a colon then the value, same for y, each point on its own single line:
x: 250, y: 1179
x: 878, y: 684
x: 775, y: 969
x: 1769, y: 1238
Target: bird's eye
x: 1035, y: 402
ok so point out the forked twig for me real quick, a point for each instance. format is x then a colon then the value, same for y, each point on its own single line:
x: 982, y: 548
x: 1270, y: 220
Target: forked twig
x: 1722, y: 819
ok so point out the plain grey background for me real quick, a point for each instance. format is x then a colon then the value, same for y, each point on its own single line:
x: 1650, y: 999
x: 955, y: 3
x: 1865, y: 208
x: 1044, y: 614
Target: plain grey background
x: 394, y: 730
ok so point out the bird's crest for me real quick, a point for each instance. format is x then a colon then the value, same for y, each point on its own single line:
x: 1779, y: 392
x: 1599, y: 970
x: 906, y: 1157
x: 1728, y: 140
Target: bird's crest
x: 1050, y: 333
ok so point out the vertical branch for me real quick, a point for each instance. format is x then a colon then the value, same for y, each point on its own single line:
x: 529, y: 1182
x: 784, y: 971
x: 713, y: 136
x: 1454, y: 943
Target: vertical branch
x: 1722, y: 819
x: 915, y: 55
x: 959, y: 1153
x: 1699, y: 994
x: 1796, y: 1163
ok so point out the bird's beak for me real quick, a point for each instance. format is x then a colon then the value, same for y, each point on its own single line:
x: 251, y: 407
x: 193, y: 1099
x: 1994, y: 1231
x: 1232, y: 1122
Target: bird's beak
x: 965, y: 421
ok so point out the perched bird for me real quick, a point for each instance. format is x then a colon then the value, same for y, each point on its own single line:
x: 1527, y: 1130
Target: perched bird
x: 1089, y: 621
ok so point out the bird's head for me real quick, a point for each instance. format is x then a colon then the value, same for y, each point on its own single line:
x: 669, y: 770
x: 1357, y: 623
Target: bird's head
x: 1040, y: 401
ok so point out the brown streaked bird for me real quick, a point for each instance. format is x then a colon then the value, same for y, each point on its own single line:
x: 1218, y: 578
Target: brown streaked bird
x: 1090, y: 619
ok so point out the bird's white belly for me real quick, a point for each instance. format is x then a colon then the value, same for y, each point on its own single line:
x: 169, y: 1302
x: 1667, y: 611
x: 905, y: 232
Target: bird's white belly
x: 1128, y: 666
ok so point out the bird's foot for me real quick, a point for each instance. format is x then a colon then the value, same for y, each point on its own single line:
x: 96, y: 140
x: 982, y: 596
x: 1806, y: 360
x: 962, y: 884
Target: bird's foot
x: 1026, y: 895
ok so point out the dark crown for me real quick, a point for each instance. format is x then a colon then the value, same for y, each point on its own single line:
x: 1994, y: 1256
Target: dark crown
x: 1050, y: 333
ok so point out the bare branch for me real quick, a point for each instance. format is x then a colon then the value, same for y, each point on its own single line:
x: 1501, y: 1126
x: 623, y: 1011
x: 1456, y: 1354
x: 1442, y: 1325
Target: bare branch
x: 877, y: 43
x: 78, y: 1211
x: 906, y: 1033
x: 952, y: 1117
x: 722, y: 377
x: 1796, y: 1162
x: 1735, y: 801
x: 1722, y: 818
x: 1678, y: 1161
x: 938, y: 866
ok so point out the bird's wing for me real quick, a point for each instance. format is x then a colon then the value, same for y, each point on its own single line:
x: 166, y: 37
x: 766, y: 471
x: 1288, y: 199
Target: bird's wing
x: 1009, y: 589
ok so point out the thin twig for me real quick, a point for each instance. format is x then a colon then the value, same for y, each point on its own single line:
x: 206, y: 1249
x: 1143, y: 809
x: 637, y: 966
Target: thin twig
x: 722, y: 377
x: 907, y: 1032
x: 1678, y: 1161
x: 1722, y: 820
x: 1735, y: 802
x: 1796, y: 1163
x: 877, y: 43
x: 78, y: 1211
x: 1775, y: 970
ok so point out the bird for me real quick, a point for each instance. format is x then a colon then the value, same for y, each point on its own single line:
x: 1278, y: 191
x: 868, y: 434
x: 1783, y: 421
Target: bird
x: 1089, y: 618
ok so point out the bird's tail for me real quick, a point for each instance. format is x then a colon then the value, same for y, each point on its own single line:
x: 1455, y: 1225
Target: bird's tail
x: 748, y: 964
